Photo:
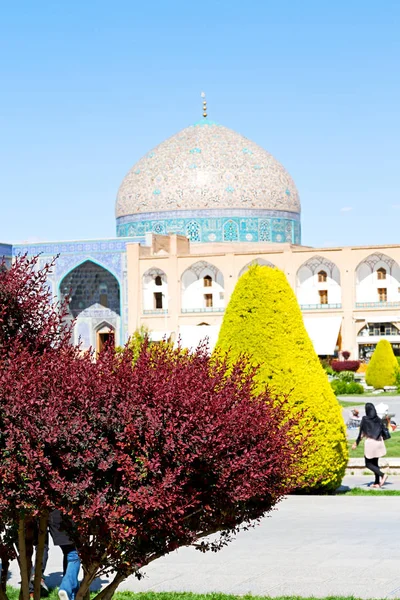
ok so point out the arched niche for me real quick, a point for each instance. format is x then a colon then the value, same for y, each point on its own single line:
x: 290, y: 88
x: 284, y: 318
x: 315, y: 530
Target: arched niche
x: 94, y: 298
x: 318, y: 282
x: 105, y: 334
x: 155, y: 290
x: 257, y: 261
x: 202, y: 287
x: 377, y: 279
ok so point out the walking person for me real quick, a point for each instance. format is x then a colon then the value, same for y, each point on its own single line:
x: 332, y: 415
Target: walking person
x: 69, y: 584
x: 371, y: 428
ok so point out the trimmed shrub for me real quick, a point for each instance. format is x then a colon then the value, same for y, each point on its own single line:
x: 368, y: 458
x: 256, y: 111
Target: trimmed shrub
x: 382, y: 367
x: 263, y: 320
x: 354, y: 388
x: 345, y: 365
x: 347, y: 376
x: 339, y: 387
x: 346, y: 354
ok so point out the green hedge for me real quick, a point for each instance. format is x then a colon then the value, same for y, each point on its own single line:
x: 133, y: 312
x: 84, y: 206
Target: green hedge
x: 383, y: 366
x: 263, y: 320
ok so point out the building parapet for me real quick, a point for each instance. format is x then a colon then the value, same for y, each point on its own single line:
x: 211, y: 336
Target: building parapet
x: 319, y: 306
x: 376, y: 304
x: 208, y: 309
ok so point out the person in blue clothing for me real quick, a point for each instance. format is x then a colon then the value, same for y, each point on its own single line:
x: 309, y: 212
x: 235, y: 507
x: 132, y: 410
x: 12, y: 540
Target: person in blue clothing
x: 69, y: 584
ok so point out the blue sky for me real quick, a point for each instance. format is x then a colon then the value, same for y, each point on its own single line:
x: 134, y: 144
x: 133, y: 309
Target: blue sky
x: 88, y: 87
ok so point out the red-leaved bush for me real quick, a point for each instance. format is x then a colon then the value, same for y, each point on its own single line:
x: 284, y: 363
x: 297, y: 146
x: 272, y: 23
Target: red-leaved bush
x: 346, y: 354
x: 144, y: 456
x: 345, y: 365
x: 27, y: 311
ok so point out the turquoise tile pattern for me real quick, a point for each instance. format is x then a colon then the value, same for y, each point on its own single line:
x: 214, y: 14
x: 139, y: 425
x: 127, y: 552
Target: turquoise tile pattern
x: 211, y: 184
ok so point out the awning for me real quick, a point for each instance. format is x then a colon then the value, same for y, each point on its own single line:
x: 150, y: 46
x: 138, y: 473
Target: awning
x: 158, y: 336
x: 192, y: 335
x: 324, y: 333
x: 382, y: 318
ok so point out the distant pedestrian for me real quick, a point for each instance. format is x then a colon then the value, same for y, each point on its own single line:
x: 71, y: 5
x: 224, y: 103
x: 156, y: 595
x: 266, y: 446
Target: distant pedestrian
x: 371, y: 428
x: 69, y: 585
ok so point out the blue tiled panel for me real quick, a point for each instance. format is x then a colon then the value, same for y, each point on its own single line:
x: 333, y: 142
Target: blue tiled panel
x: 216, y: 226
x: 110, y: 254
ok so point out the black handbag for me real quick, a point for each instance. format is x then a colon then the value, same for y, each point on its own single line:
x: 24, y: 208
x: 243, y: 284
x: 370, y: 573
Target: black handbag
x: 385, y: 433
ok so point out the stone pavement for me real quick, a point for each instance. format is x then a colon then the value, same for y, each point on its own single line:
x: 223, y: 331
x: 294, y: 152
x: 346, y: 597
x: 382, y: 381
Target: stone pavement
x: 310, y: 546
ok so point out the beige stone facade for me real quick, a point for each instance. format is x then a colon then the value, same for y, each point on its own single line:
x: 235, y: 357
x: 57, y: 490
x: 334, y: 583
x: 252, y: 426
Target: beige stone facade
x: 349, y: 296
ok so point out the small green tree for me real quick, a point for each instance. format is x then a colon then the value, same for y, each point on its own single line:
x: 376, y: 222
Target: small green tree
x: 383, y: 366
x: 264, y: 321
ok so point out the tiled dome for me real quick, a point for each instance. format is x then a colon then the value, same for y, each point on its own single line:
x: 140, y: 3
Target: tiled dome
x: 206, y: 166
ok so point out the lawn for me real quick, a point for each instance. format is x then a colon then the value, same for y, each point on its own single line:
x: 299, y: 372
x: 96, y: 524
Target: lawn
x: 13, y: 594
x: 367, y: 492
x: 392, y: 447
x: 370, y: 395
x: 346, y: 403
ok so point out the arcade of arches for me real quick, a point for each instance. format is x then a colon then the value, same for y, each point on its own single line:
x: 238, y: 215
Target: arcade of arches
x: 350, y: 298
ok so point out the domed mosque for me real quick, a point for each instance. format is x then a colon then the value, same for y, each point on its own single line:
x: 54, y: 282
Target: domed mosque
x: 192, y: 216
x: 209, y: 184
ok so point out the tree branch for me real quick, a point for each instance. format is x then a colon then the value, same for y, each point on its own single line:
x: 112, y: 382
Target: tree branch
x: 3, y: 593
x: 5, y: 563
x: 43, y: 521
x: 23, y: 563
x: 90, y: 575
x: 108, y: 592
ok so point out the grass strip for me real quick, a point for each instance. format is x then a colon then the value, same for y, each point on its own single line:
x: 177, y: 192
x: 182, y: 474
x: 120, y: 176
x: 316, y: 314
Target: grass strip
x: 368, y: 492
x: 347, y: 403
x: 13, y: 594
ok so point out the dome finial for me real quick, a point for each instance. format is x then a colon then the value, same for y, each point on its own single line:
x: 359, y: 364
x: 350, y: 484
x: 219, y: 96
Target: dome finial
x: 203, y: 95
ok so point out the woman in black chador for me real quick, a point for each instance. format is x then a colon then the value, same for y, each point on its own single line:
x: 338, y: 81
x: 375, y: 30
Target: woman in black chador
x: 371, y: 429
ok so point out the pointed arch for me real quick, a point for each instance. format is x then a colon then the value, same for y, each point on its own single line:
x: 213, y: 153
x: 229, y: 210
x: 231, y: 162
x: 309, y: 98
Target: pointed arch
x: 374, y: 263
x: 86, y: 283
x: 202, y: 288
x: 201, y: 269
x: 105, y: 334
x: 94, y: 298
x: 257, y: 261
x: 230, y: 231
x: 193, y: 231
x: 377, y: 279
x: 318, y: 263
x: 155, y: 290
x: 318, y: 283
x: 62, y: 274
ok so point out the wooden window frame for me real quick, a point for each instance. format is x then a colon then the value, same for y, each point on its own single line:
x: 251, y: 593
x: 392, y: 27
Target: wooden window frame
x: 208, y: 300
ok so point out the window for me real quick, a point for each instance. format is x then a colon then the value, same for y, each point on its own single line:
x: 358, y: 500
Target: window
x: 208, y: 300
x: 323, y: 296
x: 380, y: 329
x: 158, y: 280
x: 382, y: 294
x: 104, y: 300
x: 381, y: 273
x: 158, y: 300
x: 322, y: 277
x: 103, y: 295
x: 207, y: 281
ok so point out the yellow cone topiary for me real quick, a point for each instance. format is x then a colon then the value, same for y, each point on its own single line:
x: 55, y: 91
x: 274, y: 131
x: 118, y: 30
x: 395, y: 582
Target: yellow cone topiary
x: 382, y: 367
x: 264, y: 321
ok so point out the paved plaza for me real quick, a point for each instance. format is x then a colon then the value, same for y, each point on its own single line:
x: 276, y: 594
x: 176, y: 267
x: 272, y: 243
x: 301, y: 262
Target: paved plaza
x: 309, y: 546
